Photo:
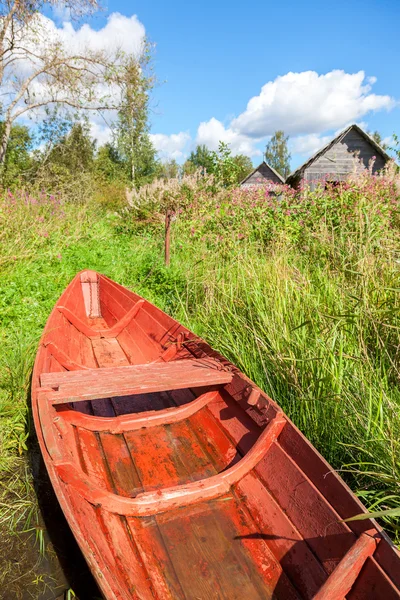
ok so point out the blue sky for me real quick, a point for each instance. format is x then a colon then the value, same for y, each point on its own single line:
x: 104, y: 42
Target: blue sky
x: 213, y: 58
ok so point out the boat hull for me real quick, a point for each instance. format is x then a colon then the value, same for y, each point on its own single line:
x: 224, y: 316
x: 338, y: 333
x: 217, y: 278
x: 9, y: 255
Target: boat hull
x: 178, y: 476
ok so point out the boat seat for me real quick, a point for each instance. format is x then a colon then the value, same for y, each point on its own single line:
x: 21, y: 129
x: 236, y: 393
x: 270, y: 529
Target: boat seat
x: 92, y: 384
x: 150, y: 503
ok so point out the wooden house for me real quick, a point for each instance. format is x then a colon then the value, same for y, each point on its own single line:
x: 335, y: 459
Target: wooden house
x: 351, y: 151
x: 263, y: 175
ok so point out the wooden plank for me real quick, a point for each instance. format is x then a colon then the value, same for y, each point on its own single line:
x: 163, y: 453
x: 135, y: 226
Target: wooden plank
x: 116, y: 329
x: 75, y: 386
x: 223, y: 552
x: 308, y: 510
x: 343, y: 577
x: 305, y: 506
x: 150, y: 503
x: 132, y: 349
x: 155, y: 557
x: 64, y: 358
x: 108, y: 352
x: 373, y: 583
x: 284, y: 540
x: 105, y: 419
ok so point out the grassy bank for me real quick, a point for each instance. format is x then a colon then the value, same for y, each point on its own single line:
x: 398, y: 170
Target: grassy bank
x: 302, y: 293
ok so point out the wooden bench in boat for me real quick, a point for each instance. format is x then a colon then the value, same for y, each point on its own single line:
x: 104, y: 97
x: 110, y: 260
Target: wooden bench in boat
x: 91, y: 384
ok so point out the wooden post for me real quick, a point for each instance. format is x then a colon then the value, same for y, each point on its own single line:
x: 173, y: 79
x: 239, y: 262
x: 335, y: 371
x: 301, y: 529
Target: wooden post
x: 168, y: 218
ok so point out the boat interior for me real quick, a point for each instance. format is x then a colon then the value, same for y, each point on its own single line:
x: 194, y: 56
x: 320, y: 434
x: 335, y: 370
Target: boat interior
x: 185, y: 475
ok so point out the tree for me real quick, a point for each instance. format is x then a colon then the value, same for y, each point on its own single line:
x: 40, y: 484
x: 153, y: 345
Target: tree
x: 376, y: 136
x: 277, y: 154
x: 18, y: 161
x: 132, y: 135
x: 202, y: 157
x: 75, y: 151
x: 144, y: 160
x: 109, y: 164
x: 244, y: 166
x: 225, y: 169
x: 37, y: 69
x: 168, y: 169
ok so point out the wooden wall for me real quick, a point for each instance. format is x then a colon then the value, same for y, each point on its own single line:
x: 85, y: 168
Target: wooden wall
x: 262, y: 176
x: 340, y: 160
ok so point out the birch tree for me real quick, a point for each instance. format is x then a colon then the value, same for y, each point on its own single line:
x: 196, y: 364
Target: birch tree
x: 133, y: 128
x: 38, y: 69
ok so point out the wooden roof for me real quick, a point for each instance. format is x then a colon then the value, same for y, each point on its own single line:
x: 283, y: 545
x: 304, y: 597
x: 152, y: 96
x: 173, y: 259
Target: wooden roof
x: 266, y: 171
x: 338, y: 138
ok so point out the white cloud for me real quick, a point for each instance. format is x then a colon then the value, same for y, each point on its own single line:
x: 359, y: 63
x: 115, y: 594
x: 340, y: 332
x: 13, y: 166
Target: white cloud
x: 213, y: 131
x: 100, y: 132
x: 171, y: 146
x: 389, y: 141
x: 120, y: 32
x: 304, y: 103
x: 308, y: 144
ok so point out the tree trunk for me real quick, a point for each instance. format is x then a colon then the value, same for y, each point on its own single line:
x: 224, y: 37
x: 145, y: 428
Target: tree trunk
x: 4, y: 139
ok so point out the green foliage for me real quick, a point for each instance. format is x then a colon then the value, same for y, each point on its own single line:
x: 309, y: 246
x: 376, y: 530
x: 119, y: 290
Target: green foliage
x: 226, y: 169
x: 168, y: 169
x: 201, y: 158
x: 109, y: 164
x: 244, y: 166
x: 18, y: 162
x: 145, y: 161
x: 376, y: 136
x: 277, y: 154
x: 75, y: 151
x: 396, y: 148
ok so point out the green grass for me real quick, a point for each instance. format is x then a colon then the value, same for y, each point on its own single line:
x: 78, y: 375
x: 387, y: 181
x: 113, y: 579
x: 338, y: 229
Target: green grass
x: 304, y: 296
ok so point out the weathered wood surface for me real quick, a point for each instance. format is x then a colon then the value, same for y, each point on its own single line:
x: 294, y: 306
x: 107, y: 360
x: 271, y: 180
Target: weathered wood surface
x: 193, y: 492
x: 262, y: 176
x: 76, y: 386
x: 151, y: 503
x: 343, y: 577
x: 350, y: 153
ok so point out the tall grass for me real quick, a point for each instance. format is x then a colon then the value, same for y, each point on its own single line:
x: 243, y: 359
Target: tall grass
x: 302, y: 292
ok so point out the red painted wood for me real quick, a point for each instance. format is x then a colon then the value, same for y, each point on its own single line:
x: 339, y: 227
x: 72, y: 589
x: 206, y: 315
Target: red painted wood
x: 63, y: 358
x: 167, y: 499
x: 343, y: 577
x: 74, y: 386
x: 226, y: 509
x: 116, y: 329
x: 133, y: 422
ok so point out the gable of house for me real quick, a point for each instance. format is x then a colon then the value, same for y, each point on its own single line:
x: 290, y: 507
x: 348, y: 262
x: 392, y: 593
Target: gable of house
x: 352, y: 151
x: 261, y: 176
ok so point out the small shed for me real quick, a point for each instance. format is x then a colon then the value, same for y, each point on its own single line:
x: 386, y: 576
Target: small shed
x: 263, y: 175
x: 351, y: 151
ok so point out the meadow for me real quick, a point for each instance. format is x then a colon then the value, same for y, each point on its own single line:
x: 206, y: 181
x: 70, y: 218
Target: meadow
x: 301, y: 291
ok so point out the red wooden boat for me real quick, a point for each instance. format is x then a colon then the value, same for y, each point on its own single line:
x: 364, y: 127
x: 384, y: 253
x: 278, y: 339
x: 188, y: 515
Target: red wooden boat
x: 178, y: 476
